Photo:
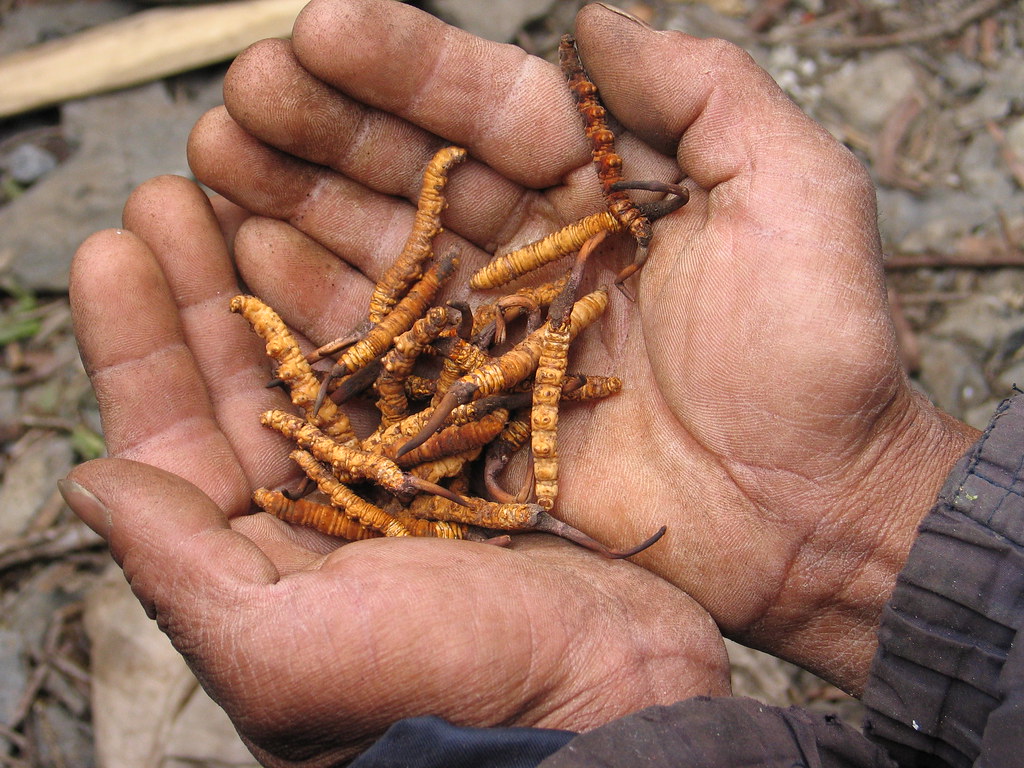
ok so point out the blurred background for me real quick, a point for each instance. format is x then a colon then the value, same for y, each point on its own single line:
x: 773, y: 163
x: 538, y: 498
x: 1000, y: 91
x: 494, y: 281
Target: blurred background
x: 98, y: 95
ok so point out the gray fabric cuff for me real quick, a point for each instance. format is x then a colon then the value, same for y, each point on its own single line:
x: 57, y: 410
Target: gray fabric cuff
x: 721, y: 732
x: 945, y: 635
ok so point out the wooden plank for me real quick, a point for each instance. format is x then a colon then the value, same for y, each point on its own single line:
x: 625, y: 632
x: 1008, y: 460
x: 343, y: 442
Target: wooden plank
x: 138, y: 48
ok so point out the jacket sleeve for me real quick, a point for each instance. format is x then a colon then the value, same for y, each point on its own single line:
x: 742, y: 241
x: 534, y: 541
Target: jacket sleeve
x: 721, y: 733
x: 947, y: 683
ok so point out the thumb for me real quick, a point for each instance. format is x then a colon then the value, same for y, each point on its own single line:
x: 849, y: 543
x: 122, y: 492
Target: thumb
x: 707, y: 102
x: 173, y: 543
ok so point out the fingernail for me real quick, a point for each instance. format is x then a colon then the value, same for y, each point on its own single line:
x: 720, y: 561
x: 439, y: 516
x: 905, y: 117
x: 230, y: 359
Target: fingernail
x: 626, y: 15
x: 84, y: 503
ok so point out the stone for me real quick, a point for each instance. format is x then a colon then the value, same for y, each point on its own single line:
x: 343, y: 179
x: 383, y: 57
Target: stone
x: 28, y: 163
x: 1005, y: 81
x: 866, y: 90
x: 952, y: 376
x: 123, y: 139
x: 67, y: 742
x: 982, y: 321
x: 496, y: 20
x: 1015, y: 137
x: 963, y: 74
x: 987, y: 105
x: 980, y: 415
x: 1010, y: 377
x: 982, y: 171
x: 30, y: 611
x: 759, y: 676
x: 32, y: 23
x: 148, y: 708
x: 30, y: 480
x: 13, y: 672
x: 931, y: 222
x: 701, y: 20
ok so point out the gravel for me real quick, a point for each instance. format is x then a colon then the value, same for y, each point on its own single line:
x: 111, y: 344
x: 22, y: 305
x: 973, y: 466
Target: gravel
x: 939, y: 122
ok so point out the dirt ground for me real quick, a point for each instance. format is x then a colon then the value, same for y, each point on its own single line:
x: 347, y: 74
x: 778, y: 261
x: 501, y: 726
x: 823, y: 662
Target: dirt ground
x: 928, y: 93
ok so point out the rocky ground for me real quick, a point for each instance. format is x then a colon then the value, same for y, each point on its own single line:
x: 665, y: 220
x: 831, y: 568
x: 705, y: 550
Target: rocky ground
x: 927, y: 92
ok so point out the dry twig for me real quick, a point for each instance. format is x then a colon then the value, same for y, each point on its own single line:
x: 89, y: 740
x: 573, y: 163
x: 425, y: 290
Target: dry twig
x: 947, y: 27
x: 51, y: 544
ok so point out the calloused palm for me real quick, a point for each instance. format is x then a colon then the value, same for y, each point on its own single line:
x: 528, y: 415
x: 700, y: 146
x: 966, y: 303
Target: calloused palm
x: 765, y: 419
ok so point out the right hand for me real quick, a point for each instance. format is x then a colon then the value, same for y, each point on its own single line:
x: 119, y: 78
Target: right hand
x: 766, y: 418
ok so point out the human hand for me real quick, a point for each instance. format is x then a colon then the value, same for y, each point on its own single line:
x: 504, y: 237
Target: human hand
x: 765, y: 419
x: 313, y: 650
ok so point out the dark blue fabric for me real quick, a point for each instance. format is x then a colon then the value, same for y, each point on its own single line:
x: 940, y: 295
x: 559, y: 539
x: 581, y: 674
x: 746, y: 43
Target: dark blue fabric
x: 430, y: 742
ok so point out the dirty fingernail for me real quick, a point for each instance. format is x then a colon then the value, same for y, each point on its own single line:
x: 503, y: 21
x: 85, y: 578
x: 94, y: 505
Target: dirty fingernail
x: 84, y: 503
x: 626, y: 15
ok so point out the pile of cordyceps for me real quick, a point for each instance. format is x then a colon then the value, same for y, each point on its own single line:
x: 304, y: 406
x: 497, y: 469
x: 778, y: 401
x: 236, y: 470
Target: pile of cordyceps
x: 444, y: 435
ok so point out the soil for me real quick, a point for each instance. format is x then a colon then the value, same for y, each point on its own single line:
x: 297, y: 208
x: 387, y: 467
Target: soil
x: 927, y: 93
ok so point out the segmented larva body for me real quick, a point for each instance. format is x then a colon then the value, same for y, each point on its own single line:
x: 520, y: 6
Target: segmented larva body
x: 457, y: 438
x: 412, y: 307
x: 592, y: 388
x: 448, y: 466
x: 609, y: 164
x: 386, y: 440
x: 587, y: 310
x: 312, y: 514
x: 434, y: 529
x: 513, y: 436
x: 462, y: 357
x: 486, y: 514
x: 520, y: 361
x: 501, y: 372
x: 398, y: 363
x: 408, y: 267
x: 350, y: 464
x: 292, y: 367
x: 346, y: 499
x: 506, y: 268
x: 547, y: 389
x: 384, y: 437
x: 465, y: 418
x: 540, y: 295
x: 419, y: 387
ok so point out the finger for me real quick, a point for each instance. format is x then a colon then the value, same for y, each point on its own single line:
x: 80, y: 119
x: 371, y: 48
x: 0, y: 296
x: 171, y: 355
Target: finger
x: 311, y: 120
x: 364, y: 227
x: 184, y: 562
x: 223, y: 156
x: 229, y: 217
x: 511, y: 110
x: 153, y: 399
x: 767, y: 329
x: 271, y: 96
x: 708, y: 98
x: 733, y: 131
x: 290, y: 548
x: 175, y: 219
x: 317, y: 294
x: 737, y: 135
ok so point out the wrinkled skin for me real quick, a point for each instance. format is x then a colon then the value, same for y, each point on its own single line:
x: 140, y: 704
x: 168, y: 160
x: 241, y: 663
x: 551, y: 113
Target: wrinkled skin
x: 765, y: 418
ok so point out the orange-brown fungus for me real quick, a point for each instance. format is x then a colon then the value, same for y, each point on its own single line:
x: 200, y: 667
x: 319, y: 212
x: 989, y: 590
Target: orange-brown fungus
x: 445, y: 399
